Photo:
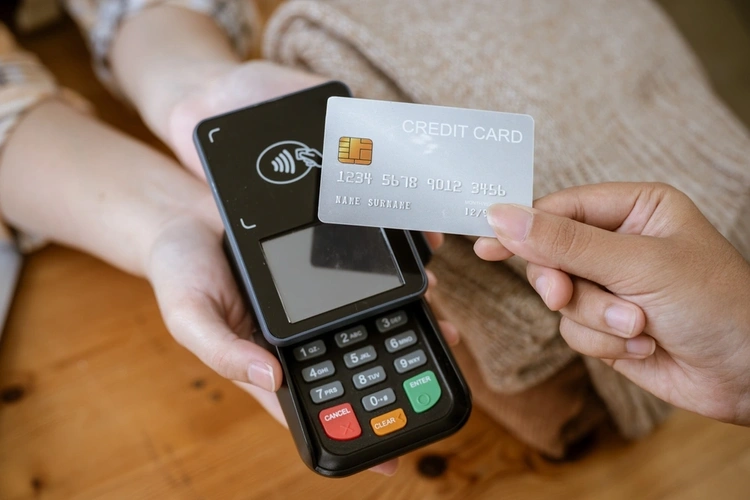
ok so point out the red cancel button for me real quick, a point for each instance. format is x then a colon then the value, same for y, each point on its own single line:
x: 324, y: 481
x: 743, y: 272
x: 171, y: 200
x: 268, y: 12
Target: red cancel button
x: 340, y: 423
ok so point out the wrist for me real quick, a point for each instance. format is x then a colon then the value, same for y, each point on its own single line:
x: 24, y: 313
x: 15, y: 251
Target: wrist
x: 164, y: 53
x: 239, y: 86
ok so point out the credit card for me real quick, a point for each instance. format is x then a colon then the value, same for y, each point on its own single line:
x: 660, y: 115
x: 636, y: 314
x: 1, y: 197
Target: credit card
x: 419, y: 167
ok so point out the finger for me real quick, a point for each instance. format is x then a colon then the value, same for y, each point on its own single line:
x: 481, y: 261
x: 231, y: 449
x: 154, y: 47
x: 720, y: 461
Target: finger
x: 491, y: 249
x: 450, y: 332
x: 605, y: 205
x: 435, y: 240
x: 562, y: 243
x: 431, y: 284
x: 602, y: 345
x: 197, y: 325
x: 602, y: 311
x: 386, y: 468
x: 432, y: 280
x: 553, y: 286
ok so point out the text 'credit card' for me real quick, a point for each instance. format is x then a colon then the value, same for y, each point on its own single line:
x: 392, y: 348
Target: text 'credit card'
x: 419, y: 167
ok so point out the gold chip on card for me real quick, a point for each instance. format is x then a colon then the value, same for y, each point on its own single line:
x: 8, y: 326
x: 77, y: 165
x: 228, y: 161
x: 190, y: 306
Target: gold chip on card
x: 355, y: 150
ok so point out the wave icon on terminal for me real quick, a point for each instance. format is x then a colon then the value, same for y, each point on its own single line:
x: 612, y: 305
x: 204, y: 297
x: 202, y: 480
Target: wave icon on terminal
x: 285, y: 162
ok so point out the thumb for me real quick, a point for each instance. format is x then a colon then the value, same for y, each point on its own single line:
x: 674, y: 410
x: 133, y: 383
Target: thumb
x: 562, y: 243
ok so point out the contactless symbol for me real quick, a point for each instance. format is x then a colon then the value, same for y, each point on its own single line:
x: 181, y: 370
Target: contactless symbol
x: 357, y: 150
x: 286, y: 162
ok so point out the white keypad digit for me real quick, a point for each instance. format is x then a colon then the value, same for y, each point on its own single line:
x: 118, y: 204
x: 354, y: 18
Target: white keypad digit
x: 360, y: 356
x: 318, y: 371
x: 401, y: 341
x: 351, y: 336
x: 410, y: 361
x: 369, y: 377
x: 391, y: 321
x: 379, y: 399
x: 327, y: 392
x: 310, y: 351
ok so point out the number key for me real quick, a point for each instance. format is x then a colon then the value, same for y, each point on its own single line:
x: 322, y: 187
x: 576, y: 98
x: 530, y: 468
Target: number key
x: 410, y: 361
x: 351, y: 336
x: 360, y: 356
x: 319, y: 371
x: 310, y: 351
x: 393, y: 320
x: 369, y: 377
x: 379, y: 399
x: 327, y: 392
x: 401, y: 341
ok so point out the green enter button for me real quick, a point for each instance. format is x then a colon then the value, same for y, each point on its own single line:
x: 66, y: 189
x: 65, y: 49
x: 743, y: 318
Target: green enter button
x: 423, y: 391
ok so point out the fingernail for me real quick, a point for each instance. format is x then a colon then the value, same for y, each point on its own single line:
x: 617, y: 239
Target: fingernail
x: 542, y: 287
x: 511, y: 222
x: 620, y: 318
x: 641, y: 346
x: 261, y: 375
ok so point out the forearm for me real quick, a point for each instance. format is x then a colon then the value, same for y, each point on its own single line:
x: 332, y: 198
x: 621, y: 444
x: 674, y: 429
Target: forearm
x: 70, y: 178
x: 163, y: 53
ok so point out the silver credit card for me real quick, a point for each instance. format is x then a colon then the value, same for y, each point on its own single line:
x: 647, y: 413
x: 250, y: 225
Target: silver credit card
x: 419, y: 167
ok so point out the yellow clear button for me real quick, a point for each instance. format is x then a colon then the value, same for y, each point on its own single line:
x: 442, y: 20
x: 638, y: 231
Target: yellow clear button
x: 388, y: 422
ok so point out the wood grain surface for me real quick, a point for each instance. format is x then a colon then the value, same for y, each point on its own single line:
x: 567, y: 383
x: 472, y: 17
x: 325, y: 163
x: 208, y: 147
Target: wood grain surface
x: 97, y: 401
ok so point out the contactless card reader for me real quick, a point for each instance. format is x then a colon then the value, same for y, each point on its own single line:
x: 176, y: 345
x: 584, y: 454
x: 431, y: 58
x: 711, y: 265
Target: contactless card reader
x: 367, y: 376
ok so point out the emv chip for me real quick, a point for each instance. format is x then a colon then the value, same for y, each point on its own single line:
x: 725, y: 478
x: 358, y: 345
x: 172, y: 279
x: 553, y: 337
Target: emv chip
x: 355, y: 150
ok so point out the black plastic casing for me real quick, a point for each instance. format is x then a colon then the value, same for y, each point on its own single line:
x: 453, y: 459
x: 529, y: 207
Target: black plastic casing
x: 443, y: 420
x: 228, y: 145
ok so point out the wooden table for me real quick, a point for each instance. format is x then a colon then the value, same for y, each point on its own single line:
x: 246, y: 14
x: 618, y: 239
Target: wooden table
x: 97, y: 401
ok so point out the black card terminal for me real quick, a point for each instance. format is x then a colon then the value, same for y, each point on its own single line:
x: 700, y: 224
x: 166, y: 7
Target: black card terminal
x: 367, y: 375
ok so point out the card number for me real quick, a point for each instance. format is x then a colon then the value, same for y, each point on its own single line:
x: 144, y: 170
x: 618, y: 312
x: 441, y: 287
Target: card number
x: 399, y: 180
x: 487, y: 189
x: 355, y: 177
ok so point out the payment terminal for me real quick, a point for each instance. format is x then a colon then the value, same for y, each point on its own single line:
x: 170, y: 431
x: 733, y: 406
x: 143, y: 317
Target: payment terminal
x: 367, y: 375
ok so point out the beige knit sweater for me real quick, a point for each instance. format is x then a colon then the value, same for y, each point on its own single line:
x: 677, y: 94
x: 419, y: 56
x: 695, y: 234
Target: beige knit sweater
x: 616, y: 95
